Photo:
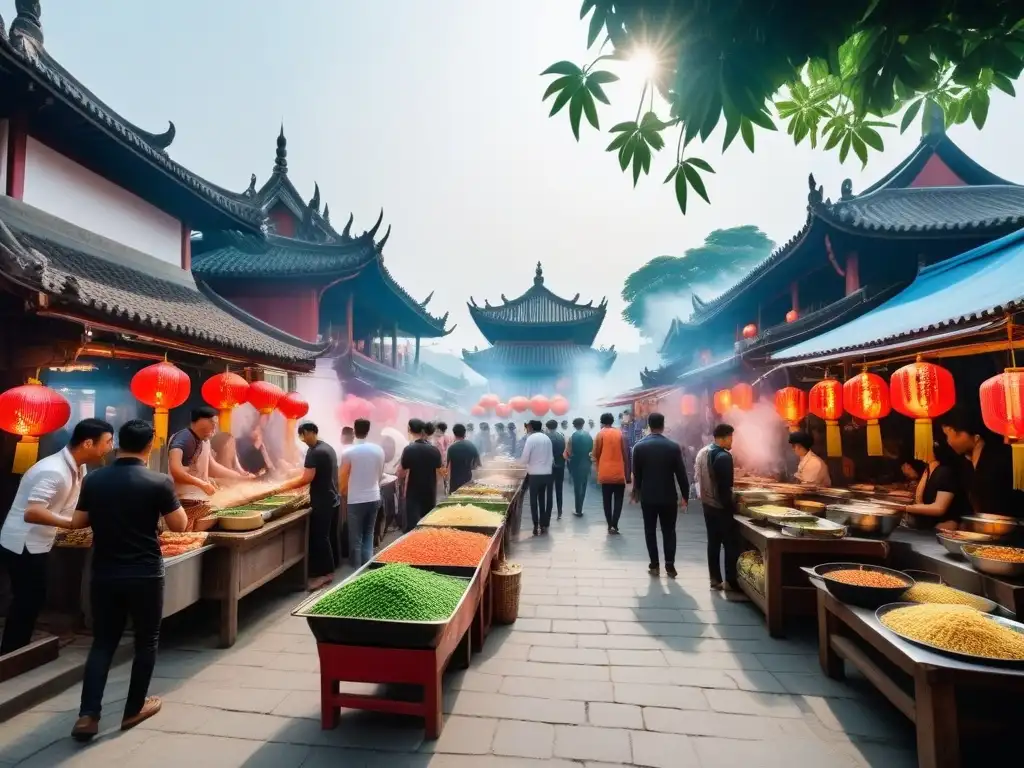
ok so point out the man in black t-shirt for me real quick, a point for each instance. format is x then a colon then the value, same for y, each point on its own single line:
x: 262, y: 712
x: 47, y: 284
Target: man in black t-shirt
x: 320, y: 473
x: 421, y: 465
x: 124, y: 504
x: 463, y: 458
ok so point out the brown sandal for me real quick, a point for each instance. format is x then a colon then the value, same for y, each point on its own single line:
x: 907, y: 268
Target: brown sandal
x: 151, y: 706
x: 85, y: 728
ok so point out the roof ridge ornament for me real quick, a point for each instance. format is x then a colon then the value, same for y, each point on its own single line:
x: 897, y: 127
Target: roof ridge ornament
x: 816, y: 193
x: 281, y: 158
x: 384, y: 240
x: 314, y: 204
x: 427, y: 300
x: 933, y: 122
x: 538, y: 278
x: 346, y: 233
x: 373, y: 230
x: 327, y: 213
x: 846, y: 190
x: 27, y: 23
x: 251, y: 190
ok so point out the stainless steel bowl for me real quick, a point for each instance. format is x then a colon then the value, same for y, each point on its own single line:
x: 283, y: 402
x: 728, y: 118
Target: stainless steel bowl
x: 871, y: 522
x: 953, y: 545
x: 990, y: 566
x: 993, y: 525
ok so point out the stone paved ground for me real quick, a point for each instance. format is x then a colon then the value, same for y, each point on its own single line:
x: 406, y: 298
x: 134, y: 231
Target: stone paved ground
x: 606, y: 666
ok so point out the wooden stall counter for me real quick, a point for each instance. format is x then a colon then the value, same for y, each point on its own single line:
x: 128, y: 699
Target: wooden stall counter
x: 243, y: 562
x: 786, y: 590
x: 947, y: 699
x: 921, y: 551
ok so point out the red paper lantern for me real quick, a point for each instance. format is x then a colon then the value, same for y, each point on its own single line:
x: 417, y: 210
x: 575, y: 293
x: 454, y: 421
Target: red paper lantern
x: 31, y: 411
x: 503, y: 410
x: 264, y: 396
x: 866, y: 397
x: 922, y: 391
x: 488, y: 402
x: 743, y: 397
x: 539, y: 405
x: 749, y: 331
x: 559, y: 405
x: 477, y: 410
x: 225, y: 391
x: 723, y: 401
x: 385, y: 410
x: 293, y: 406
x: 825, y: 401
x: 792, y: 316
x: 161, y: 386
x: 1002, y: 410
x: 688, y: 405
x: 519, y: 403
x: 791, y: 405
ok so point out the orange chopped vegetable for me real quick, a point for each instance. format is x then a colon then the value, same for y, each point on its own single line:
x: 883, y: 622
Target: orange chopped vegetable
x: 438, y: 546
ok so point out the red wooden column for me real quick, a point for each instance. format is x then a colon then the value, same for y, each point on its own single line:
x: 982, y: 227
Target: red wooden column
x: 17, y: 149
x: 186, y: 247
x: 349, y: 312
x: 852, y: 273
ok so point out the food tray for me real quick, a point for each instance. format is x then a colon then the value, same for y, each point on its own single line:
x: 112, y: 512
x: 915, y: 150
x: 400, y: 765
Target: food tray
x: 856, y: 594
x: 777, y: 516
x: 822, y: 529
x: 923, y: 577
x: 379, y: 633
x: 969, y: 657
x: 501, y: 507
x: 463, y: 571
x: 1000, y: 568
x: 953, y: 543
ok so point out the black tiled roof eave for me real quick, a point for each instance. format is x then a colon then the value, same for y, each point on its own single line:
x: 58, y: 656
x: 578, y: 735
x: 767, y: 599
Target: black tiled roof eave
x: 500, y: 358
x: 236, y: 255
x: 583, y: 331
x: 44, y: 71
x: 425, y: 324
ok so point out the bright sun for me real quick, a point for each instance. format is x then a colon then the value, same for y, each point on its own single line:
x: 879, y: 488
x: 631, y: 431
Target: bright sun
x: 644, y: 63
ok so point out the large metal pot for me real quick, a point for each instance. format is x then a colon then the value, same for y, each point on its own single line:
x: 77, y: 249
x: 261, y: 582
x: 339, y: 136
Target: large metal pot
x: 868, y: 521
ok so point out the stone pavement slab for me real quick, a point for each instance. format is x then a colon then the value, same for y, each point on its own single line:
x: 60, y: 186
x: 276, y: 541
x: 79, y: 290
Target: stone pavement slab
x: 606, y: 667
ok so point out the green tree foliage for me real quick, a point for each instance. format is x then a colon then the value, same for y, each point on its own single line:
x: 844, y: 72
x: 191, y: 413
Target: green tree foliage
x: 835, y: 73
x: 726, y: 253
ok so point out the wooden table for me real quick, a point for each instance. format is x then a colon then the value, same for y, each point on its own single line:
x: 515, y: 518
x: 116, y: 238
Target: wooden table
x: 787, y: 591
x: 920, y: 550
x: 245, y: 561
x: 944, y: 697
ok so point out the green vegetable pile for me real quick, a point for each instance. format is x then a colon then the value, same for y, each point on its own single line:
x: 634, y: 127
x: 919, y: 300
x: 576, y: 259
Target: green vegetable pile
x: 238, y: 511
x: 395, y: 592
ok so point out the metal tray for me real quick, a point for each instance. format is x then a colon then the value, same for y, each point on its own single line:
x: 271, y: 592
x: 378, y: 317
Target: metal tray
x: 930, y: 578
x: 825, y: 529
x: 377, y: 633
x: 502, y: 507
x: 855, y: 594
x: 462, y: 571
x: 998, y: 568
x: 968, y: 657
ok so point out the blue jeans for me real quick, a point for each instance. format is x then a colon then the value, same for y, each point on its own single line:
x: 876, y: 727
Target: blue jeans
x: 361, y: 520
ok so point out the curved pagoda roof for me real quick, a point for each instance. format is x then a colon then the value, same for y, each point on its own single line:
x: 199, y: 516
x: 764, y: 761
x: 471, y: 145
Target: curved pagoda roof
x: 538, y: 359
x: 936, y: 192
x: 77, y: 122
x: 539, y: 315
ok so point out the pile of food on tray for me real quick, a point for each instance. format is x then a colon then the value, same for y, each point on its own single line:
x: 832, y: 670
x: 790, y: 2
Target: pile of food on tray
x: 957, y: 629
x: 395, y: 592
x: 463, y: 516
x: 77, y: 539
x: 175, y: 544
x: 750, y: 567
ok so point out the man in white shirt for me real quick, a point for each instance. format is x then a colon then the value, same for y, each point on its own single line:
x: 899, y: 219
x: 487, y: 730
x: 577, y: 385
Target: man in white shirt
x: 46, y: 500
x: 812, y: 470
x: 365, y: 462
x: 538, y: 457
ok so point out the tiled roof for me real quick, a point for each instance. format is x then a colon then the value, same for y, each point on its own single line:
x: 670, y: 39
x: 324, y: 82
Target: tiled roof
x: 136, y: 298
x: 25, y: 46
x: 931, y: 209
x: 234, y: 254
x: 538, y: 356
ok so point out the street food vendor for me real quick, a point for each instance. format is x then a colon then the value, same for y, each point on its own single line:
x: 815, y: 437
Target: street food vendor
x: 989, y: 469
x: 190, y: 458
x: 941, y: 498
x: 812, y: 469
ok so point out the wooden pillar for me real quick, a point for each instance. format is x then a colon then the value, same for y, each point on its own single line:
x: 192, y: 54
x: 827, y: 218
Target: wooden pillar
x: 394, y: 346
x: 794, y: 296
x: 348, y: 317
x: 186, y: 247
x: 852, y: 273
x: 17, y: 149
x: 417, y: 354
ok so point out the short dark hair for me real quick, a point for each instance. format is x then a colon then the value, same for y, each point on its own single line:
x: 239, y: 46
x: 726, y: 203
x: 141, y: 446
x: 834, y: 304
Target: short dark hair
x: 485, y: 426
x: 512, y: 426
x: 362, y: 428
x: 801, y: 438
x: 135, y: 435
x: 917, y: 465
x: 607, y: 419
x: 578, y: 423
x: 552, y: 424
x: 203, y: 412
x: 308, y: 426
x: 416, y: 426
x: 722, y: 430
x: 442, y: 427
x: 459, y: 430
x: 428, y: 428
x: 346, y: 431
x: 656, y: 421
x: 959, y: 419
x: 89, y: 429
x: 535, y: 425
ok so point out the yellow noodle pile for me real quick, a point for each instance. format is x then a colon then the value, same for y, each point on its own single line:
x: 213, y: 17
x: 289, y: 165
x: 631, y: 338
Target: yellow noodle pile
x: 956, y: 628
x: 926, y: 592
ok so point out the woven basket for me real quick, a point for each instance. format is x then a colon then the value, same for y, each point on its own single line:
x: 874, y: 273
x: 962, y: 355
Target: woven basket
x: 506, y: 580
x: 195, y: 510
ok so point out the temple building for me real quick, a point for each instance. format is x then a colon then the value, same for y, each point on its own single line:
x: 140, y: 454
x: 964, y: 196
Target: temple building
x: 306, y: 277
x: 542, y: 343
x: 850, y: 256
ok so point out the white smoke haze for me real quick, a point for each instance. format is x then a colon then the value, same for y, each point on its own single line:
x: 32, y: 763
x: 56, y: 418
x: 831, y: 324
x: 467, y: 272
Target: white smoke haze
x: 761, y: 441
x: 660, y: 309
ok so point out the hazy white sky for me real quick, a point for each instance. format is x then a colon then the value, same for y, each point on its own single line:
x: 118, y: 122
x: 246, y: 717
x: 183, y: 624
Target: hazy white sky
x: 432, y: 110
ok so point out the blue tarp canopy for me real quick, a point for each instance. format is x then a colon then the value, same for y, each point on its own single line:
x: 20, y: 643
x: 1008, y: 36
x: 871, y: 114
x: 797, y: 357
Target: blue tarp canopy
x: 973, y: 286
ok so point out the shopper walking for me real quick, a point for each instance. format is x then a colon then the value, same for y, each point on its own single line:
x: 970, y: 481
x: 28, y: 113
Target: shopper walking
x: 124, y: 503
x: 578, y: 455
x: 714, y: 475
x: 537, y: 456
x: 365, y: 463
x: 657, y: 470
x: 612, y: 459
x: 45, y: 502
x: 554, y: 495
